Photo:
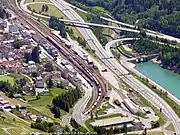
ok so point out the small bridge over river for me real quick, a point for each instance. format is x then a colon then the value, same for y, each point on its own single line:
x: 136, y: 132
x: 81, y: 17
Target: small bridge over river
x: 142, y: 58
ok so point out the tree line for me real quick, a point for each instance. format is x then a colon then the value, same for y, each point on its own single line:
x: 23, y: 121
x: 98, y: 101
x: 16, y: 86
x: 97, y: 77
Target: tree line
x: 9, y: 89
x: 54, y: 23
x: 170, y: 58
x: 66, y: 100
x: 146, y: 46
x: 44, y: 126
x: 110, y: 131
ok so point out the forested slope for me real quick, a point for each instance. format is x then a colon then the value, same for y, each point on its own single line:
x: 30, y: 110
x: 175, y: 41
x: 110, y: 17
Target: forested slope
x: 158, y: 15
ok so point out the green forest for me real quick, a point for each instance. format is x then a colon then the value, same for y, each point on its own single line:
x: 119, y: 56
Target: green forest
x: 145, y: 46
x: 67, y: 100
x: 169, y: 56
x: 158, y: 15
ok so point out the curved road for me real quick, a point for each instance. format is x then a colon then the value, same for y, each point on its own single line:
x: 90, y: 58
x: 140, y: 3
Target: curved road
x: 117, y: 68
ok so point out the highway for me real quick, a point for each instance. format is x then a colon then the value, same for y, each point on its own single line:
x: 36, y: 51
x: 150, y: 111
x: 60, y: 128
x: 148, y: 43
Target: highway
x: 148, y: 32
x: 118, y: 69
x: 113, y: 42
x: 78, y: 23
x: 85, y: 24
x: 117, y: 22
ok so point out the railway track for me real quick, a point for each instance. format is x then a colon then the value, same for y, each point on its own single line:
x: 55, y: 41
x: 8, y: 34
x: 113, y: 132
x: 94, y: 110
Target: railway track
x: 98, y: 83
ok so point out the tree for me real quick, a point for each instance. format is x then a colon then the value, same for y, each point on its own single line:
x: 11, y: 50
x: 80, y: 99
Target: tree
x: 145, y: 131
x: 91, y: 115
x: 66, y: 129
x: 60, y: 85
x: 48, y: 67
x: 67, y: 99
x: 35, y: 54
x: 17, y: 108
x: 42, y: 9
x: 124, y: 128
x: 10, y: 94
x: 33, y: 11
x: 38, y: 96
x: 143, y: 34
x: 96, y: 115
x: 50, y: 83
x: 17, y: 44
x: 46, y: 8
x: 14, y: 119
x: 74, y: 123
x: 34, y: 74
x: 63, y: 33
x: 22, y: 82
x: 33, y: 90
x: 56, y: 111
x: 57, y: 25
x: 155, y: 124
x: 27, y: 56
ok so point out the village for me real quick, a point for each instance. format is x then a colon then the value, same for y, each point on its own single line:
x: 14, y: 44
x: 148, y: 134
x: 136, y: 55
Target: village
x: 31, y: 69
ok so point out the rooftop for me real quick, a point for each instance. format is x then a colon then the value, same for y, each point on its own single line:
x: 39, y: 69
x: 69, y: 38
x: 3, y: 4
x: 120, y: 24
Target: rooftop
x: 113, y: 121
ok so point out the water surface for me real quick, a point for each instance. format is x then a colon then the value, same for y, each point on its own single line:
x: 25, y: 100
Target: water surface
x: 165, y: 78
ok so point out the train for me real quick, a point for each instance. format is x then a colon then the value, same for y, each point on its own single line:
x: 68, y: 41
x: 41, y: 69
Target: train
x: 87, y: 72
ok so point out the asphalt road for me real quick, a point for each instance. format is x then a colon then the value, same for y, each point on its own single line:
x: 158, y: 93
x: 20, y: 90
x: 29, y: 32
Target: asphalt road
x: 117, y: 68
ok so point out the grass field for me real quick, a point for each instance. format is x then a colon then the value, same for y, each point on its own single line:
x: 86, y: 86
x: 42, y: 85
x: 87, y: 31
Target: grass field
x: 39, y: 107
x: 144, y: 103
x: 29, y: 1
x: 125, y: 51
x: 107, y: 32
x: 104, y: 108
x: 83, y: 15
x: 100, y: 9
x: 170, y: 127
x: 46, y: 99
x: 15, y: 75
x: 155, y: 133
x: 11, y: 100
x: 53, y: 11
x: 14, y: 126
x: 7, y: 78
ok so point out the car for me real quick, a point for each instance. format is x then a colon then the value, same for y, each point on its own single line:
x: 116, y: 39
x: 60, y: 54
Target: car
x: 104, y: 70
x: 148, y: 112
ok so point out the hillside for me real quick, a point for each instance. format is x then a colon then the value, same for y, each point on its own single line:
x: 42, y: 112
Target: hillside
x: 158, y: 15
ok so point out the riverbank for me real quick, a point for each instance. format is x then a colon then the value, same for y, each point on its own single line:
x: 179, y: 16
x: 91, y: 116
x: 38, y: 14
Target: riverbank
x: 156, y: 61
x: 172, y: 69
x: 149, y: 74
x: 167, y: 97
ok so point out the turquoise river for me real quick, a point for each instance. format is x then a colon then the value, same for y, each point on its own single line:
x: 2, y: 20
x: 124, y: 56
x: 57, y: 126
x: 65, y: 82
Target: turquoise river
x: 165, y: 78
